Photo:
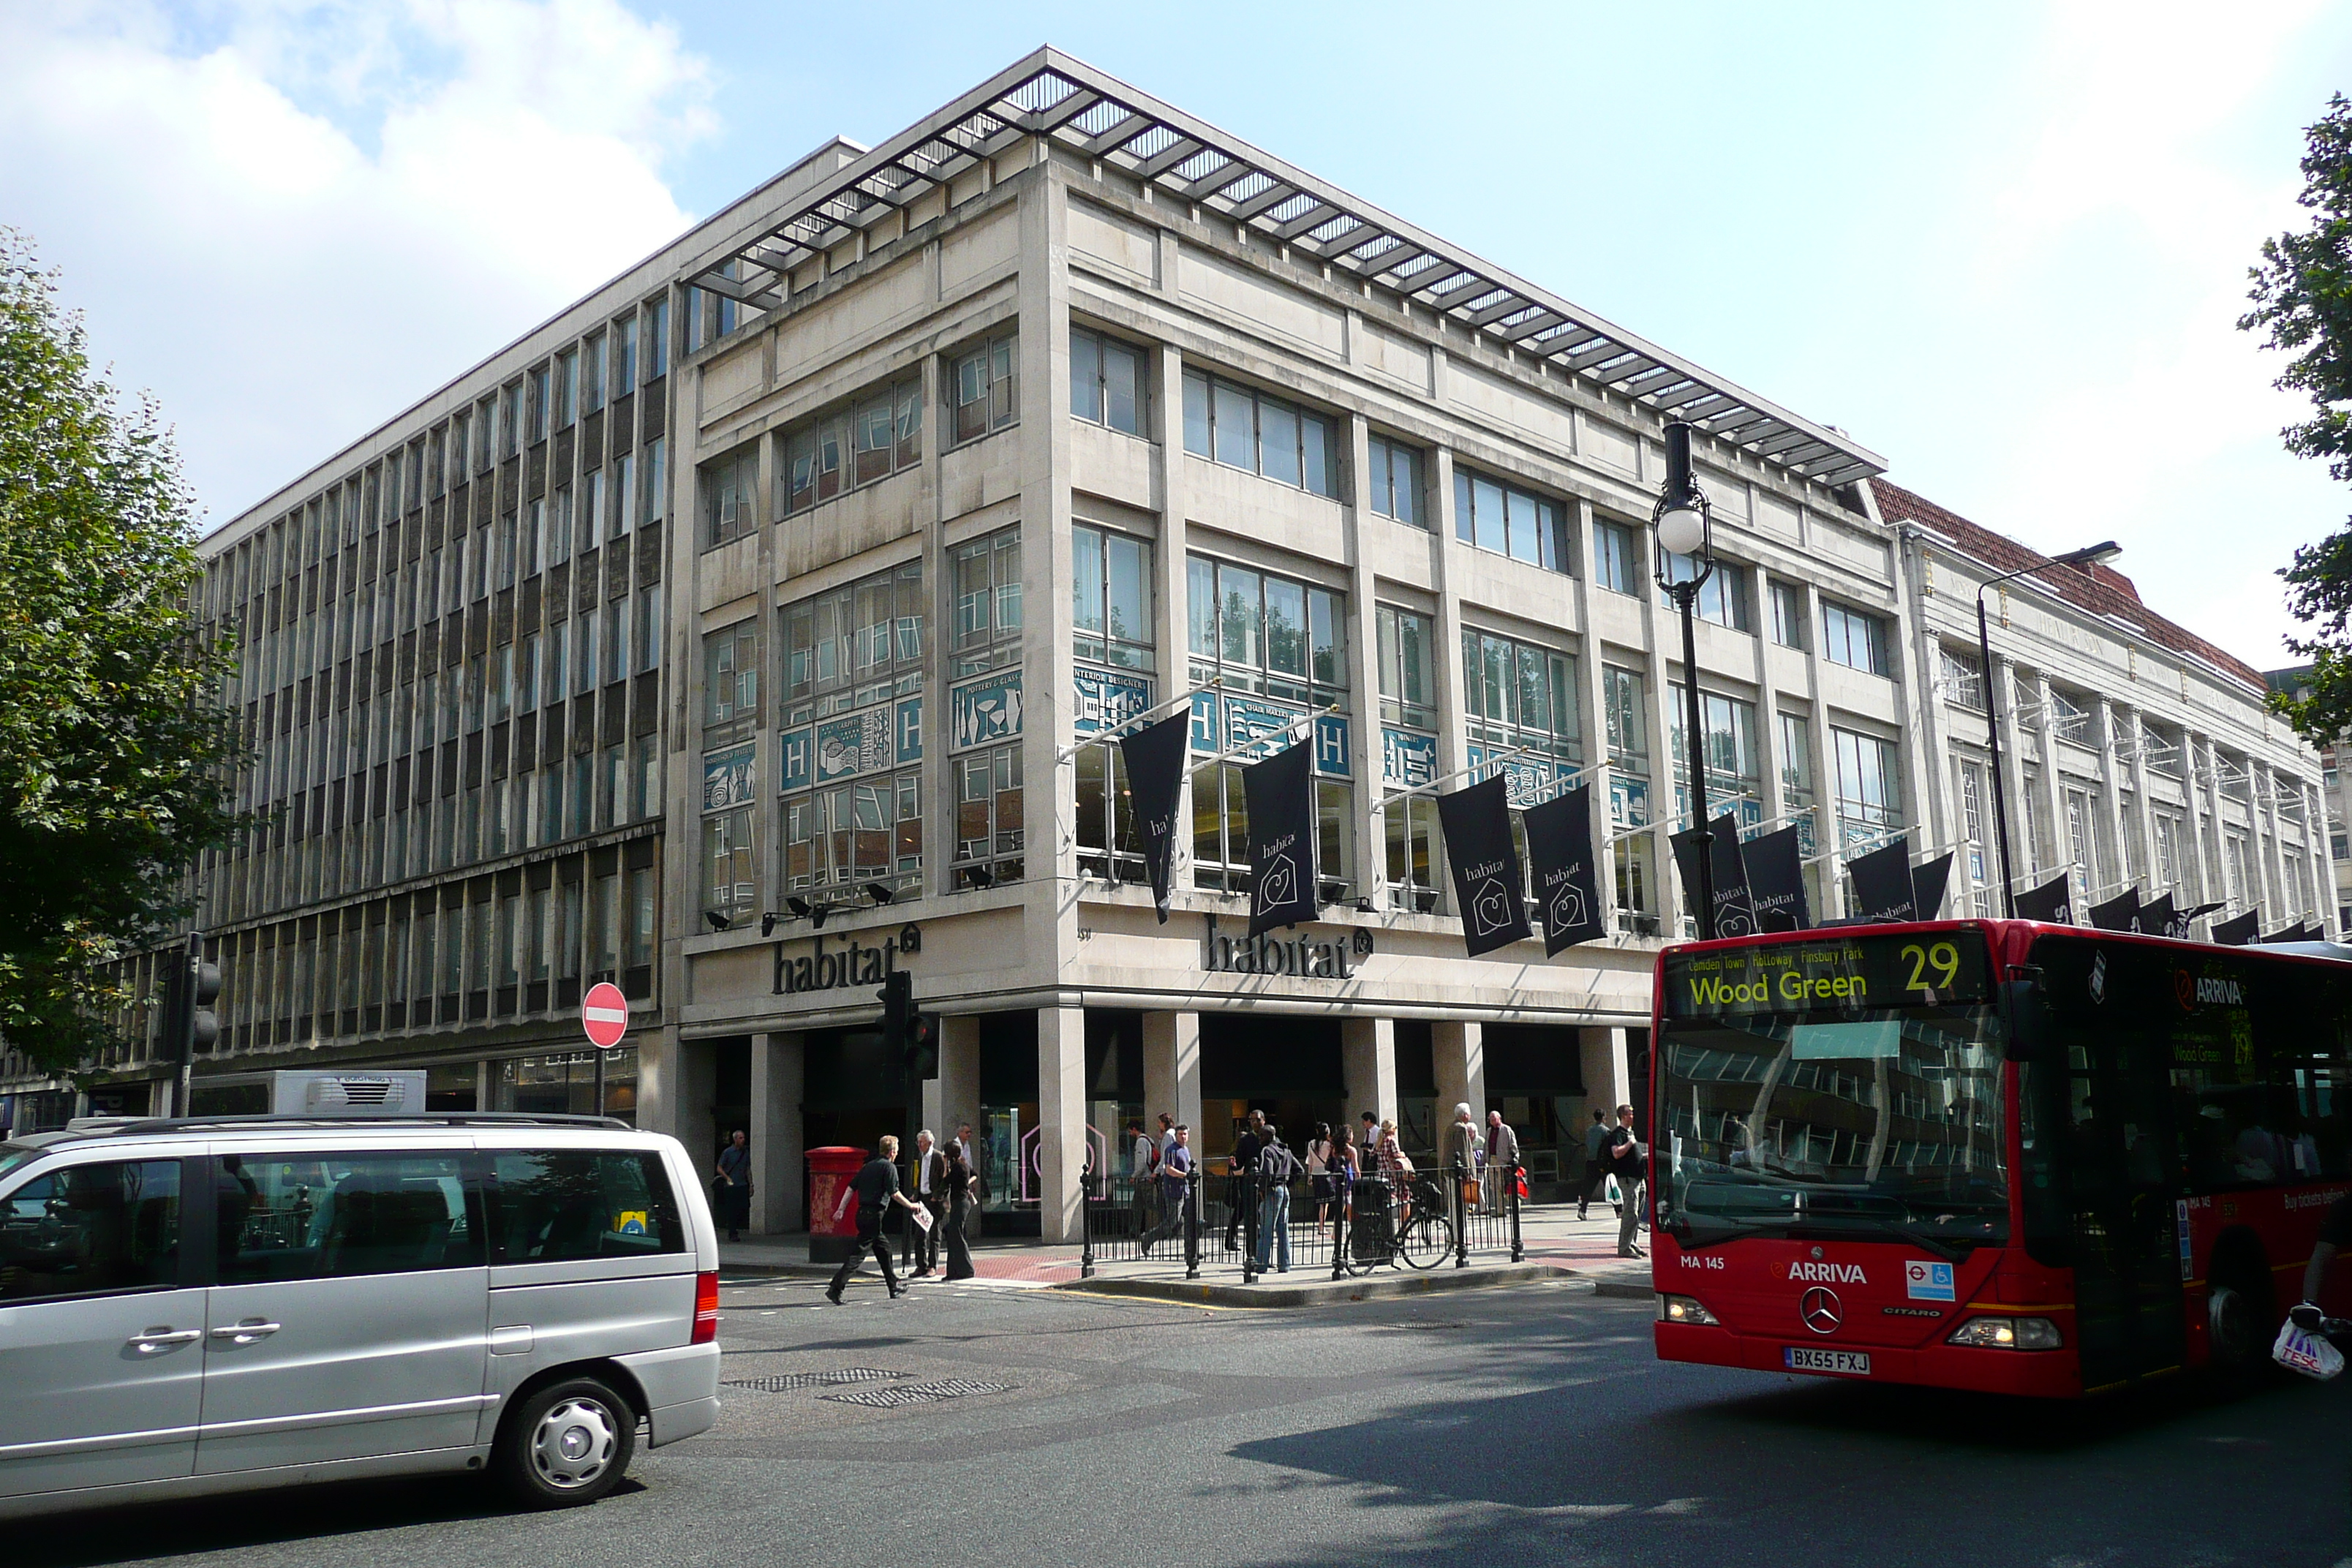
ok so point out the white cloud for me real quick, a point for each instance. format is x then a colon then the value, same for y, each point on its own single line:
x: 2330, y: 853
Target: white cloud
x: 2108, y: 247
x: 289, y: 220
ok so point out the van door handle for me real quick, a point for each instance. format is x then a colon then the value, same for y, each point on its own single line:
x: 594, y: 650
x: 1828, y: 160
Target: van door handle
x: 250, y: 1331
x: 155, y: 1340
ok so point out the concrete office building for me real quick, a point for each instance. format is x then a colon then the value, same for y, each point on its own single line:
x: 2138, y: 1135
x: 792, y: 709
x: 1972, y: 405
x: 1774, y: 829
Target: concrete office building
x: 2339, y: 812
x: 2137, y: 754
x: 788, y: 575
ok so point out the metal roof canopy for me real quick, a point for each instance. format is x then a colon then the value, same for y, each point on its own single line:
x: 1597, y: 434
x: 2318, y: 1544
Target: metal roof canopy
x: 1051, y: 95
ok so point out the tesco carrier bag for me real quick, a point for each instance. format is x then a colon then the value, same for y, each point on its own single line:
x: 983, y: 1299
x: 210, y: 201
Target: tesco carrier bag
x: 2299, y: 1350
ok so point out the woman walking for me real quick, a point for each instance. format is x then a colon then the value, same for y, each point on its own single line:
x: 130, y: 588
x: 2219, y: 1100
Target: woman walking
x: 959, y: 1182
x: 734, y: 1184
x: 1320, y: 1161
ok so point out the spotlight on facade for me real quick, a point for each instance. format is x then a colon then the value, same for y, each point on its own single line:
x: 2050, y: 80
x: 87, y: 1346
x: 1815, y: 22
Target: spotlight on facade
x: 879, y: 893
x: 980, y: 875
x: 799, y: 908
x: 818, y: 914
x: 719, y: 921
x: 768, y: 923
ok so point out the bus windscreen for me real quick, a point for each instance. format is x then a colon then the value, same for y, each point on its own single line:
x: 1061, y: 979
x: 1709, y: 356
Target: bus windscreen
x: 1844, y: 1087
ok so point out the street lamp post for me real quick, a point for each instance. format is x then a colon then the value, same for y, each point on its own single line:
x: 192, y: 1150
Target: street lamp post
x: 2089, y: 555
x: 1685, y: 527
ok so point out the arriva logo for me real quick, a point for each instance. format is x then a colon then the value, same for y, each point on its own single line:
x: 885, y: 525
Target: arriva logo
x: 1828, y: 1273
x: 2203, y: 989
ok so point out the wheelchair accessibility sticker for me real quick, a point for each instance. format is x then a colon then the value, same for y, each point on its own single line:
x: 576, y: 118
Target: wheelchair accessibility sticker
x: 1924, y: 1281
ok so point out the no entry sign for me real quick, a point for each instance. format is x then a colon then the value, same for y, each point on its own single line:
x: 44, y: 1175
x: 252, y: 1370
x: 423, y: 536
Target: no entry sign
x: 604, y: 1014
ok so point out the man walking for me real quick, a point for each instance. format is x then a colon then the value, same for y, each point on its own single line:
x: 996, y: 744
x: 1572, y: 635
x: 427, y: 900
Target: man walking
x: 1502, y: 1161
x: 1596, y: 1172
x: 1276, y: 1167
x: 875, y: 1188
x: 1175, y: 1173
x: 927, y: 1185
x: 1143, y: 1174
x: 1625, y: 1156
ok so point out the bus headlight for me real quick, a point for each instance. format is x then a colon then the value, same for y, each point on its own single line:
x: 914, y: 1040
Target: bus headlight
x: 2008, y: 1333
x: 1685, y: 1309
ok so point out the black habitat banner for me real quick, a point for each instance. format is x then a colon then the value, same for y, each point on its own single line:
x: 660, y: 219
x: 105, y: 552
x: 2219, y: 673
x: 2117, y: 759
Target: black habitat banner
x: 1155, y: 780
x: 2156, y: 917
x: 2051, y: 901
x: 1927, y: 884
x: 1883, y: 888
x: 2237, y: 932
x: 1559, y: 852
x: 2118, y: 913
x: 1486, y: 864
x: 1280, y: 794
x: 1776, y: 881
x: 1734, y: 909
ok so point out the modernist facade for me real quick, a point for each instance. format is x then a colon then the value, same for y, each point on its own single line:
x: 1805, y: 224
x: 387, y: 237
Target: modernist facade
x: 743, y: 634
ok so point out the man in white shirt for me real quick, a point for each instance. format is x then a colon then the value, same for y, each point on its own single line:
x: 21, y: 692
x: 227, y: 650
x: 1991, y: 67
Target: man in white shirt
x: 927, y: 1185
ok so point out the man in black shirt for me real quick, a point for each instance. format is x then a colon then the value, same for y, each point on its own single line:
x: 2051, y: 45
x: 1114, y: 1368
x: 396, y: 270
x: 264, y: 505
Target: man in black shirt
x: 1624, y: 1154
x: 875, y: 1188
x: 1239, y: 1170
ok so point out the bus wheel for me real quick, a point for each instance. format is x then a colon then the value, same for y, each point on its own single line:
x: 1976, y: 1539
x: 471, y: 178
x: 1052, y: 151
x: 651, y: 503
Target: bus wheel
x: 2238, y: 1308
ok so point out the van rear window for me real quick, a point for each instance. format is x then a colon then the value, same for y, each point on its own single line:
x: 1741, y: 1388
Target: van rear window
x: 562, y: 1205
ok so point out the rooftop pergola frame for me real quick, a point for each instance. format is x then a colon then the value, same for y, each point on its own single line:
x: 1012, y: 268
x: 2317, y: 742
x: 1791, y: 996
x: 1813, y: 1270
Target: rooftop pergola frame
x: 1101, y: 119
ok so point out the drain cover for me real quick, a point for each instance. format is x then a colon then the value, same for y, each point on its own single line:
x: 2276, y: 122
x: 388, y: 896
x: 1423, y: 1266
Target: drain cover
x: 917, y: 1393
x: 778, y: 1384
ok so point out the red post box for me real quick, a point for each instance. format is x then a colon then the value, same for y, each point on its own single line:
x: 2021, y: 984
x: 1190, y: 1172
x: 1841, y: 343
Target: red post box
x: 831, y: 1240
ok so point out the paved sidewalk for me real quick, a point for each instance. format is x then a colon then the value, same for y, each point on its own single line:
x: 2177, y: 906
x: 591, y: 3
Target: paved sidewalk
x: 1549, y: 1234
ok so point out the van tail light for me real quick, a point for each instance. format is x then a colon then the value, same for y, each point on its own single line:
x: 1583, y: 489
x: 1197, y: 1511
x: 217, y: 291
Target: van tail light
x: 706, y: 1308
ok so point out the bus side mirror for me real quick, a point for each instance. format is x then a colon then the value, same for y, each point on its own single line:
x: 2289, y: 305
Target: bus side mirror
x: 2026, y: 1018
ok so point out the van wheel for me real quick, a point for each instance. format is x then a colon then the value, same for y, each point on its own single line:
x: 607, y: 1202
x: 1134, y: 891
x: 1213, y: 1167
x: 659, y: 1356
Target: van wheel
x: 2239, y: 1314
x: 568, y: 1444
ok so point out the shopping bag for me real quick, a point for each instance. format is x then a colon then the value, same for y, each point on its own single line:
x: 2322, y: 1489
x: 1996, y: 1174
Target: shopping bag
x: 2299, y: 1350
x: 1523, y: 1186
x: 1470, y: 1193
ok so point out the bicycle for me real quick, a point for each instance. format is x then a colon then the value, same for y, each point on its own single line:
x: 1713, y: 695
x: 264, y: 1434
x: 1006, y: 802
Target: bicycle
x: 1375, y: 1235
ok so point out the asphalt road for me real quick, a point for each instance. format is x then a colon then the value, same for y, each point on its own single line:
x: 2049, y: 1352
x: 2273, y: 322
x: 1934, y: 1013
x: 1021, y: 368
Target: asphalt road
x: 1520, y: 1426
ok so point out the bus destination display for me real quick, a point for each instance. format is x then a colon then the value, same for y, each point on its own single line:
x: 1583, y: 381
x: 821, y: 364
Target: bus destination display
x: 1845, y: 973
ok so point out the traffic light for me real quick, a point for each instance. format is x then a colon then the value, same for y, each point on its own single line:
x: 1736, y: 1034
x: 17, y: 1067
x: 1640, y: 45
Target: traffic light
x: 915, y: 1036
x: 193, y: 985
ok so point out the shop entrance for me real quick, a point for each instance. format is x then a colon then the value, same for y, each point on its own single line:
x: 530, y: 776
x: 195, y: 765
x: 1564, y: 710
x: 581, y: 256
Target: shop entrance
x: 1290, y: 1068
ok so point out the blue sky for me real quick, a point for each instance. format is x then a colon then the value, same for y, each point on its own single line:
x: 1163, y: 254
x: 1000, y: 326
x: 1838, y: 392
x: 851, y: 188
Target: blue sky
x: 2002, y: 244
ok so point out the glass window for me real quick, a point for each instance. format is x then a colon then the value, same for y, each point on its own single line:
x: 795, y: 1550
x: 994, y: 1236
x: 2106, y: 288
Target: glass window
x: 656, y: 340
x: 728, y: 884
x: 1517, y: 695
x: 855, y: 644
x: 1852, y: 638
x: 312, y: 1215
x: 1500, y: 517
x: 1243, y: 428
x: 592, y: 374
x: 1615, y: 557
x: 989, y: 823
x: 538, y: 405
x: 728, y: 489
x: 730, y: 687
x: 1869, y: 790
x: 1734, y: 774
x: 1407, y: 683
x: 1106, y: 385
x: 878, y: 435
x: 1722, y: 598
x: 982, y: 382
x: 624, y: 356
x: 563, y: 1205
x: 1788, y: 615
x: 1392, y: 482
x: 987, y: 587
x: 90, y: 1230
x: 1111, y: 597
x: 567, y: 386
x: 1962, y: 679
x: 870, y: 830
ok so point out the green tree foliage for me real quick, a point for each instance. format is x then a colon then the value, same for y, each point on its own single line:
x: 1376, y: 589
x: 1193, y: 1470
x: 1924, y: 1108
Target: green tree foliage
x: 115, y: 757
x: 2302, y: 299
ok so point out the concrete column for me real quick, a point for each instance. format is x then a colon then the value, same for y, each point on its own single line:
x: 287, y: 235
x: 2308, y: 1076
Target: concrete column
x: 684, y: 1096
x: 778, y: 1203
x: 958, y: 1080
x: 1061, y: 1119
x: 2115, y: 861
x: 1171, y: 1069
x: 1366, y: 824
x: 1458, y: 1058
x: 1368, y: 1065
x: 1452, y: 739
x: 1608, y: 1076
x: 1171, y: 628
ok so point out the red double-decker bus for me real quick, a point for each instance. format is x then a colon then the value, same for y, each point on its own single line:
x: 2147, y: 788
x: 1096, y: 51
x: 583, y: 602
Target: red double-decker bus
x: 1997, y: 1155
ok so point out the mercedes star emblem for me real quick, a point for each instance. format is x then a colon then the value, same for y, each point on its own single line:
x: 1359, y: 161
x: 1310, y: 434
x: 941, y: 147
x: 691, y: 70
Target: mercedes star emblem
x: 1820, y: 1308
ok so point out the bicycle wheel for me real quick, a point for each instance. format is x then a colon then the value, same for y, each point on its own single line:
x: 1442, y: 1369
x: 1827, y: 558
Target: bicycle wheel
x: 1427, y: 1239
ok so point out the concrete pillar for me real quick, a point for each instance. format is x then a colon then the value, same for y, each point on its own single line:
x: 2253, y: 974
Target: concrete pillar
x: 1368, y: 1064
x: 958, y: 1080
x: 779, y: 1203
x: 1061, y: 1119
x: 1458, y: 1058
x: 686, y: 1094
x: 1171, y: 1069
x: 1608, y: 1078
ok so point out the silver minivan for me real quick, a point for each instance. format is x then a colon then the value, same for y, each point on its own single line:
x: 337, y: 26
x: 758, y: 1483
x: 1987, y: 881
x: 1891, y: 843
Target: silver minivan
x: 205, y: 1305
